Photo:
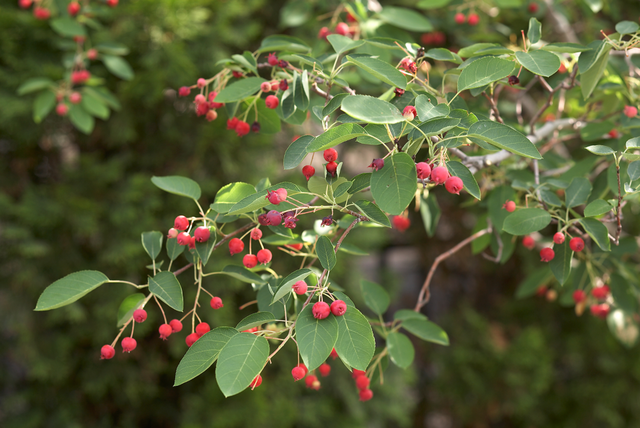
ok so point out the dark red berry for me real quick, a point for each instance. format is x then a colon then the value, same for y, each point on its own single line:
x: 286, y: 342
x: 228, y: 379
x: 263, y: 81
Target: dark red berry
x: 332, y: 167
x: 399, y: 92
x: 513, y: 80
x: 274, y: 218
x: 377, y: 164
x: 283, y: 85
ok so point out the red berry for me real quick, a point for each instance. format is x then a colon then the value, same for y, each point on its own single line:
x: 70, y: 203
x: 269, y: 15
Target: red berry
x: 323, y: 33
x: 272, y: 102
x: 460, y: 18
x: 300, y: 287
x: 308, y: 171
x: 202, y: 234
x: 351, y: 18
x: 324, y: 369
x: 399, y: 92
x: 256, y: 382
x: 181, y: 223
x: 73, y: 8
x: 630, y: 111
x: 191, y: 339
x: 330, y: 155
x: 321, y: 310
x: 408, y: 65
x: 362, y: 382
x: 184, y: 238
x: 112, y: 3
x: 579, y: 296
x: 62, y: 109
x: 533, y: 7
x: 401, y: 223
x: 128, y: 344
x: 409, y: 112
x: 600, y: 311
x: 439, y: 175
x: 546, y: 254
x: 576, y: 244
x: 41, y: 13
x: 355, y: 373
x: 211, y: 115
x: 202, y: 329
x: 312, y: 382
x: 250, y: 261
x: 213, y: 104
x: 454, y: 185
x: 25, y: 4
x: 274, y: 197
x: 513, y: 80
x: 614, y: 133
x: 424, y: 170
x: 192, y: 243
x: 510, y: 206
x: 338, y: 308
x: 165, y: 331
x: 236, y: 246
x: 332, y: 167
x: 283, y: 86
x: 274, y: 218
x: 176, y: 325
x: 242, y: 128
x: 558, y: 238
x: 139, y: 315
x: 298, y: 373
x: 473, y: 19
x: 333, y: 354
x: 256, y: 234
x: 264, y: 256
x: 297, y: 247
x: 237, y: 74
x: 342, y: 29
x: 272, y: 59
x: 184, y: 91
x: 600, y: 293
x: 365, y: 394
x: 216, y: 302
x: 107, y: 352
x: 528, y: 242
x: 377, y: 164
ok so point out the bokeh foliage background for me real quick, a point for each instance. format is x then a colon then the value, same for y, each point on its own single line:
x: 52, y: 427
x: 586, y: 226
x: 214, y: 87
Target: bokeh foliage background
x: 70, y: 202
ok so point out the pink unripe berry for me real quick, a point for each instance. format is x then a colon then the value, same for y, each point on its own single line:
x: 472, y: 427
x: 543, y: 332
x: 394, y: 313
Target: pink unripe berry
x: 272, y: 59
x: 362, y: 382
x: 107, y: 352
x: 242, y: 128
x: 454, y: 185
x: 312, y: 382
x: 265, y: 86
x: 176, y: 325
x: 409, y: 113
x: 128, y: 344
x: 320, y: 310
x: 473, y: 19
x: 308, y: 171
x: 236, y: 246
x: 112, y: 3
x: 600, y: 311
x: 630, y: 111
x: 202, y: 329
x: 579, y: 296
x: 460, y: 18
x: 173, y: 233
x: 211, y: 115
x: 510, y: 206
x: 184, y: 91
x: 576, y: 244
x: 274, y: 218
x: 338, y: 308
x: 547, y: 254
x: 165, y: 331
x: 324, y: 369
x: 200, y: 99
x: 202, y: 234
x: 62, y: 109
x: 330, y: 155
x: 342, y: 28
x: 439, y: 175
x: 300, y: 287
x: 191, y: 339
x: 272, y: 102
x: 216, y: 302
x: 423, y: 170
x: 75, y: 98
x: 139, y: 315
x: 264, y: 256
x: 558, y: 238
x: 323, y: 33
x: 25, y: 4
x: 181, y: 223
x: 256, y: 382
x: 365, y: 394
x: 250, y: 261
x: 73, y: 8
x: 201, y: 83
x: 332, y: 167
x: 184, y: 238
x: 298, y: 373
x: 256, y: 234
x: 528, y: 242
x: 401, y: 223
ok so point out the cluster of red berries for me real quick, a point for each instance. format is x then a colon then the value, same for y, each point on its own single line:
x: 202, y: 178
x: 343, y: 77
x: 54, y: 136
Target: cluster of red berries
x: 460, y: 18
x: 439, y: 175
x: 341, y: 28
x: 180, y: 225
x: 321, y: 310
x: 79, y: 77
x: 434, y: 38
x: 62, y: 108
x: 408, y: 65
x: 331, y: 156
x: 630, y: 111
x: 362, y: 383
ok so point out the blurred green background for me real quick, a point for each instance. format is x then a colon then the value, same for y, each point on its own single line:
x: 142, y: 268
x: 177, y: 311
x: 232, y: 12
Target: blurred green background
x: 70, y: 202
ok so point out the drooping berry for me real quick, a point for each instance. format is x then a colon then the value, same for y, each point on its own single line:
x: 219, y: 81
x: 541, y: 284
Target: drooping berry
x: 92, y: 54
x: 184, y: 91
x: 342, y: 28
x: 75, y: 98
x: 62, y: 109
x: 25, y: 4
x: 600, y: 311
x: 298, y: 373
x: 324, y: 369
x: 579, y: 296
x: 333, y: 354
x: 510, y: 206
x: 264, y: 256
x: 283, y: 86
x: 73, y: 8
x: 513, y: 80
x: 424, y: 170
x: 173, y: 233
x: 528, y: 242
x: 216, y: 302
x: 377, y: 164
x: 272, y: 102
x: 362, y: 382
x: 576, y: 244
x: 320, y: 310
x: 176, y: 325
x: 312, y: 382
x: 308, y: 171
x: 272, y: 59
x: 409, y: 113
x: 236, y: 246
x: 202, y: 329
x: 330, y: 155
x: 256, y: 382
x: 192, y: 243
x: 327, y: 221
x: 256, y: 234
x: 139, y: 315
x: 165, y: 331
x: 630, y: 111
x: 460, y: 18
x: 265, y: 86
x: 601, y: 292
x: 439, y: 175
x: 365, y: 394
x: 191, y: 339
x: 107, y: 352
x: 297, y: 247
x: 473, y: 19
x: 533, y: 7
x: 290, y: 222
x: 273, y: 197
x: 356, y: 373
x: 300, y: 287
x: 128, y: 344
x: 323, y: 33
x: 202, y: 234
x: 211, y: 115
x: 274, y: 218
x: 558, y: 238
x: 181, y: 223
x: 338, y: 308
x: 200, y: 100
x: 401, y: 223
x: 242, y: 128
x: 283, y: 64
x: 250, y: 261
x: 41, y: 13
x: 547, y: 254
x: 454, y: 185
x: 184, y: 238
x: 332, y: 167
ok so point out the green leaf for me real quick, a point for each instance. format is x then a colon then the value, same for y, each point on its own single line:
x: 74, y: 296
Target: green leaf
x: 426, y: 330
x: 535, y: 280
x: 627, y: 27
x: 255, y: 320
x: 432, y: 4
x: 177, y: 185
x: 526, y: 221
x: 468, y: 180
x: 240, y: 361
x: 430, y: 213
x: 152, y: 243
x: 173, y: 249
x: 81, y: 119
x: 597, y: 231
x: 371, y: 110
x: 166, y: 287
x: 426, y: 110
x: 372, y: 212
x: 382, y: 70
x: 355, y: 344
x: 282, y: 43
x: 94, y: 105
x: 401, y: 350
x: 43, y: 105
x: 297, y: 151
x: 352, y: 249
x: 504, y: 137
x: 360, y: 182
x: 204, y: 249
x: 484, y: 71
x: 406, y: 314
x: 592, y: 65
x: 497, y: 198
x: 118, y: 66
x: 633, y: 143
x: 434, y: 126
x: 340, y: 190
x: 243, y: 274
x: 267, y: 118
x: 326, y: 253
x: 623, y: 294
x: 316, y: 338
x: 442, y: 54
x: 375, y: 297
x: 393, y: 187
x: 128, y: 305
x: 578, y: 192
x: 247, y: 61
x: 597, y: 207
x: 600, y: 150
x: 301, y: 90
x: 69, y: 289
x: 333, y: 104
x: 289, y: 281
x: 565, y: 48
x: 111, y: 48
x: 539, y: 62
x: 230, y: 195
x: 342, y: 44
x: 240, y: 90
x: 406, y: 19
x: 202, y: 354
x: 535, y: 28
x: 634, y: 170
x: 35, y: 84
x: 68, y: 27
x: 561, y: 264
x: 334, y: 136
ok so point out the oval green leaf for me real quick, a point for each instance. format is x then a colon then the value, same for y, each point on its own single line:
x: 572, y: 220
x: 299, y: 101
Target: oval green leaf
x: 174, y: 249
x: 203, y: 354
x: 597, y: 231
x: 334, y: 136
x: 316, y: 338
x: 255, y: 320
x: 297, y: 151
x: 289, y: 281
x: 128, y: 305
x: 401, y: 349
x: 561, y: 263
x: 526, y: 221
x: 177, y: 185
x: 240, y: 361
x: 230, y: 195
x: 240, y: 90
x: 406, y: 19
x: 426, y: 330
x: 372, y: 212
x: 393, y: 187
x: 468, y: 180
x: 166, y: 287
x: 382, y: 70
x: 326, y: 253
x: 484, y: 71
x: 578, y: 192
x: 597, y: 207
x: 69, y: 289
x: 152, y: 243
x: 371, y: 110
x: 375, y: 297
x: 43, y: 105
x: 600, y: 150
x: 355, y: 344
x: 504, y: 137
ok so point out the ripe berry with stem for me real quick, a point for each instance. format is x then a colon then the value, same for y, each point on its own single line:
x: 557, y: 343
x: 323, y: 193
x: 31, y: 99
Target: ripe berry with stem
x: 272, y: 102
x: 298, y: 373
x: 401, y: 223
x: 184, y: 91
x: 73, y: 8
x: 473, y: 19
x: 342, y: 28
x: 274, y: 218
x: 509, y: 206
x: 332, y: 167
x: 165, y: 331
x: 423, y: 170
x: 365, y: 395
x: 338, y: 308
x: 547, y: 254
x: 460, y: 18
x: 377, y: 164
x: 216, y: 302
x: 300, y: 287
x: 454, y: 185
x: 308, y: 171
x: 202, y: 329
x: 139, y: 315
x: 236, y: 246
x: 107, y: 352
x: 409, y: 113
x: 250, y: 261
x: 330, y: 155
x: 272, y: 59
x: 576, y: 244
x: 264, y: 256
x: 558, y: 238
x: 181, y: 223
x: 202, y: 234
x: 362, y: 382
x: 256, y: 234
x: 320, y: 310
x: 176, y: 325
x: 439, y: 175
x: 128, y: 344
x: 242, y: 128
x: 630, y: 111
x: 184, y: 238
